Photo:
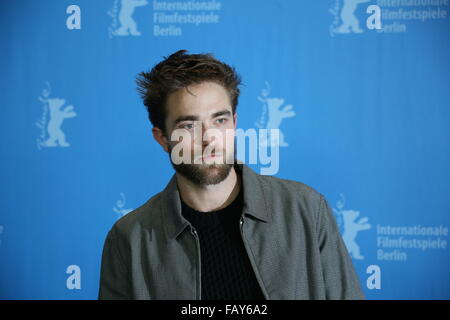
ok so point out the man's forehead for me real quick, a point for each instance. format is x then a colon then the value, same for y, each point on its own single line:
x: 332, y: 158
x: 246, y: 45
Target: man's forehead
x: 205, y: 102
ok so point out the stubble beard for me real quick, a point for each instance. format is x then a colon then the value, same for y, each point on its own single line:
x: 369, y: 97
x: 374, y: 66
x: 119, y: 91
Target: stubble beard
x: 204, y: 174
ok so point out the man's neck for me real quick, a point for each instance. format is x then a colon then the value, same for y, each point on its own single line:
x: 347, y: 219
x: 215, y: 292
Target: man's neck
x: 210, y: 197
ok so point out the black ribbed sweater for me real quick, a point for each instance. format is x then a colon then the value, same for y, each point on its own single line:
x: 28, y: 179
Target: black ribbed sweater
x: 226, y: 272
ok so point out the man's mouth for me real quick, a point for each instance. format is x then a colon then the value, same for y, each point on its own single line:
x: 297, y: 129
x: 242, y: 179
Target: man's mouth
x: 211, y: 157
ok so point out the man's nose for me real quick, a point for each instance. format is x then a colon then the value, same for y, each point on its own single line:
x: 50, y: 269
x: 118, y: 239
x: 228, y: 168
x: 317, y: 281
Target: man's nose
x: 207, y: 135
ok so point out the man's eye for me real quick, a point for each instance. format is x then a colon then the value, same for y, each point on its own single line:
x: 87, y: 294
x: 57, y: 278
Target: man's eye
x: 187, y: 126
x: 221, y: 120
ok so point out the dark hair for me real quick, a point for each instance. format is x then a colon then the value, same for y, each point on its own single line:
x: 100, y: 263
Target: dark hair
x: 180, y: 70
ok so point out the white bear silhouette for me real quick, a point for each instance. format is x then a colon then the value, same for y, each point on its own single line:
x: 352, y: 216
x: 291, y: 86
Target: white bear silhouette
x: 351, y: 229
x: 57, y: 117
x: 126, y: 20
x: 275, y: 117
x: 348, y: 17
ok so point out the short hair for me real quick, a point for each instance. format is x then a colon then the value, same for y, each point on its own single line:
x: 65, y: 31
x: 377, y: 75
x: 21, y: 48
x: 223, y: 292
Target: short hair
x: 180, y: 70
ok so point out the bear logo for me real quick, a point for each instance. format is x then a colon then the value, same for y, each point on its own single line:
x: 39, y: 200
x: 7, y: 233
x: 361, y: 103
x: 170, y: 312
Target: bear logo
x: 275, y: 115
x: 349, y: 20
x: 57, y: 115
x: 347, y: 220
x: 127, y: 24
x: 351, y: 229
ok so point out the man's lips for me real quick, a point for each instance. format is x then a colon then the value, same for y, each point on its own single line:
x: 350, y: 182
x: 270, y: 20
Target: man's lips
x: 211, y: 156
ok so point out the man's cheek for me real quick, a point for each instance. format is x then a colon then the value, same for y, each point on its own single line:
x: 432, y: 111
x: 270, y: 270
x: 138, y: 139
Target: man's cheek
x: 229, y: 140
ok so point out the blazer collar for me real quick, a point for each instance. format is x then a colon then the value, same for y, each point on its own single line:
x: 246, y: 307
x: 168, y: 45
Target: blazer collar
x: 253, y: 196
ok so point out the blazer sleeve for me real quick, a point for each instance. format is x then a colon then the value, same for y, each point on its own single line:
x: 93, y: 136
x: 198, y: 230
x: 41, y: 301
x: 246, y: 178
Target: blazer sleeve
x: 341, y: 280
x: 114, y: 276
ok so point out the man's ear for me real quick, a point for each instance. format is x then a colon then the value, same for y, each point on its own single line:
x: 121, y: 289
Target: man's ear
x: 235, y: 120
x: 160, y: 137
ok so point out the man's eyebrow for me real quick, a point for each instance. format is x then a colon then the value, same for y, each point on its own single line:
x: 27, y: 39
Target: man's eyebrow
x: 193, y: 118
x: 221, y: 113
x: 185, y: 118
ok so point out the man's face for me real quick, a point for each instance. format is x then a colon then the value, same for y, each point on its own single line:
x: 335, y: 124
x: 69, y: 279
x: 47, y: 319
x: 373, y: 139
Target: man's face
x: 202, y: 115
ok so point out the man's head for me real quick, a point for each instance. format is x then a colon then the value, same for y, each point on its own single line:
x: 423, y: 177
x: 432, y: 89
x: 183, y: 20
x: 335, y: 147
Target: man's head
x: 193, y: 96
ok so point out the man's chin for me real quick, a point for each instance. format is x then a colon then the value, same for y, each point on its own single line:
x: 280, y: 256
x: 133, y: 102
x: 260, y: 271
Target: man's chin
x: 204, y: 174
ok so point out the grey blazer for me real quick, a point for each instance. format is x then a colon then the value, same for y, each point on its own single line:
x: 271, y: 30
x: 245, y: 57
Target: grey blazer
x: 287, y: 227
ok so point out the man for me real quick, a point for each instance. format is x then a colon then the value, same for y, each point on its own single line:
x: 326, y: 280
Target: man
x: 219, y: 230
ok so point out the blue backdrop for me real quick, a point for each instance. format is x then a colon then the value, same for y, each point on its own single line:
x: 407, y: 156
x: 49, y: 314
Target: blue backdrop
x: 364, y: 114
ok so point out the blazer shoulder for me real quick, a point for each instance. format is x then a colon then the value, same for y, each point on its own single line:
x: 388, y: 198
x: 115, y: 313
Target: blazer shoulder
x: 290, y: 188
x: 292, y: 197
